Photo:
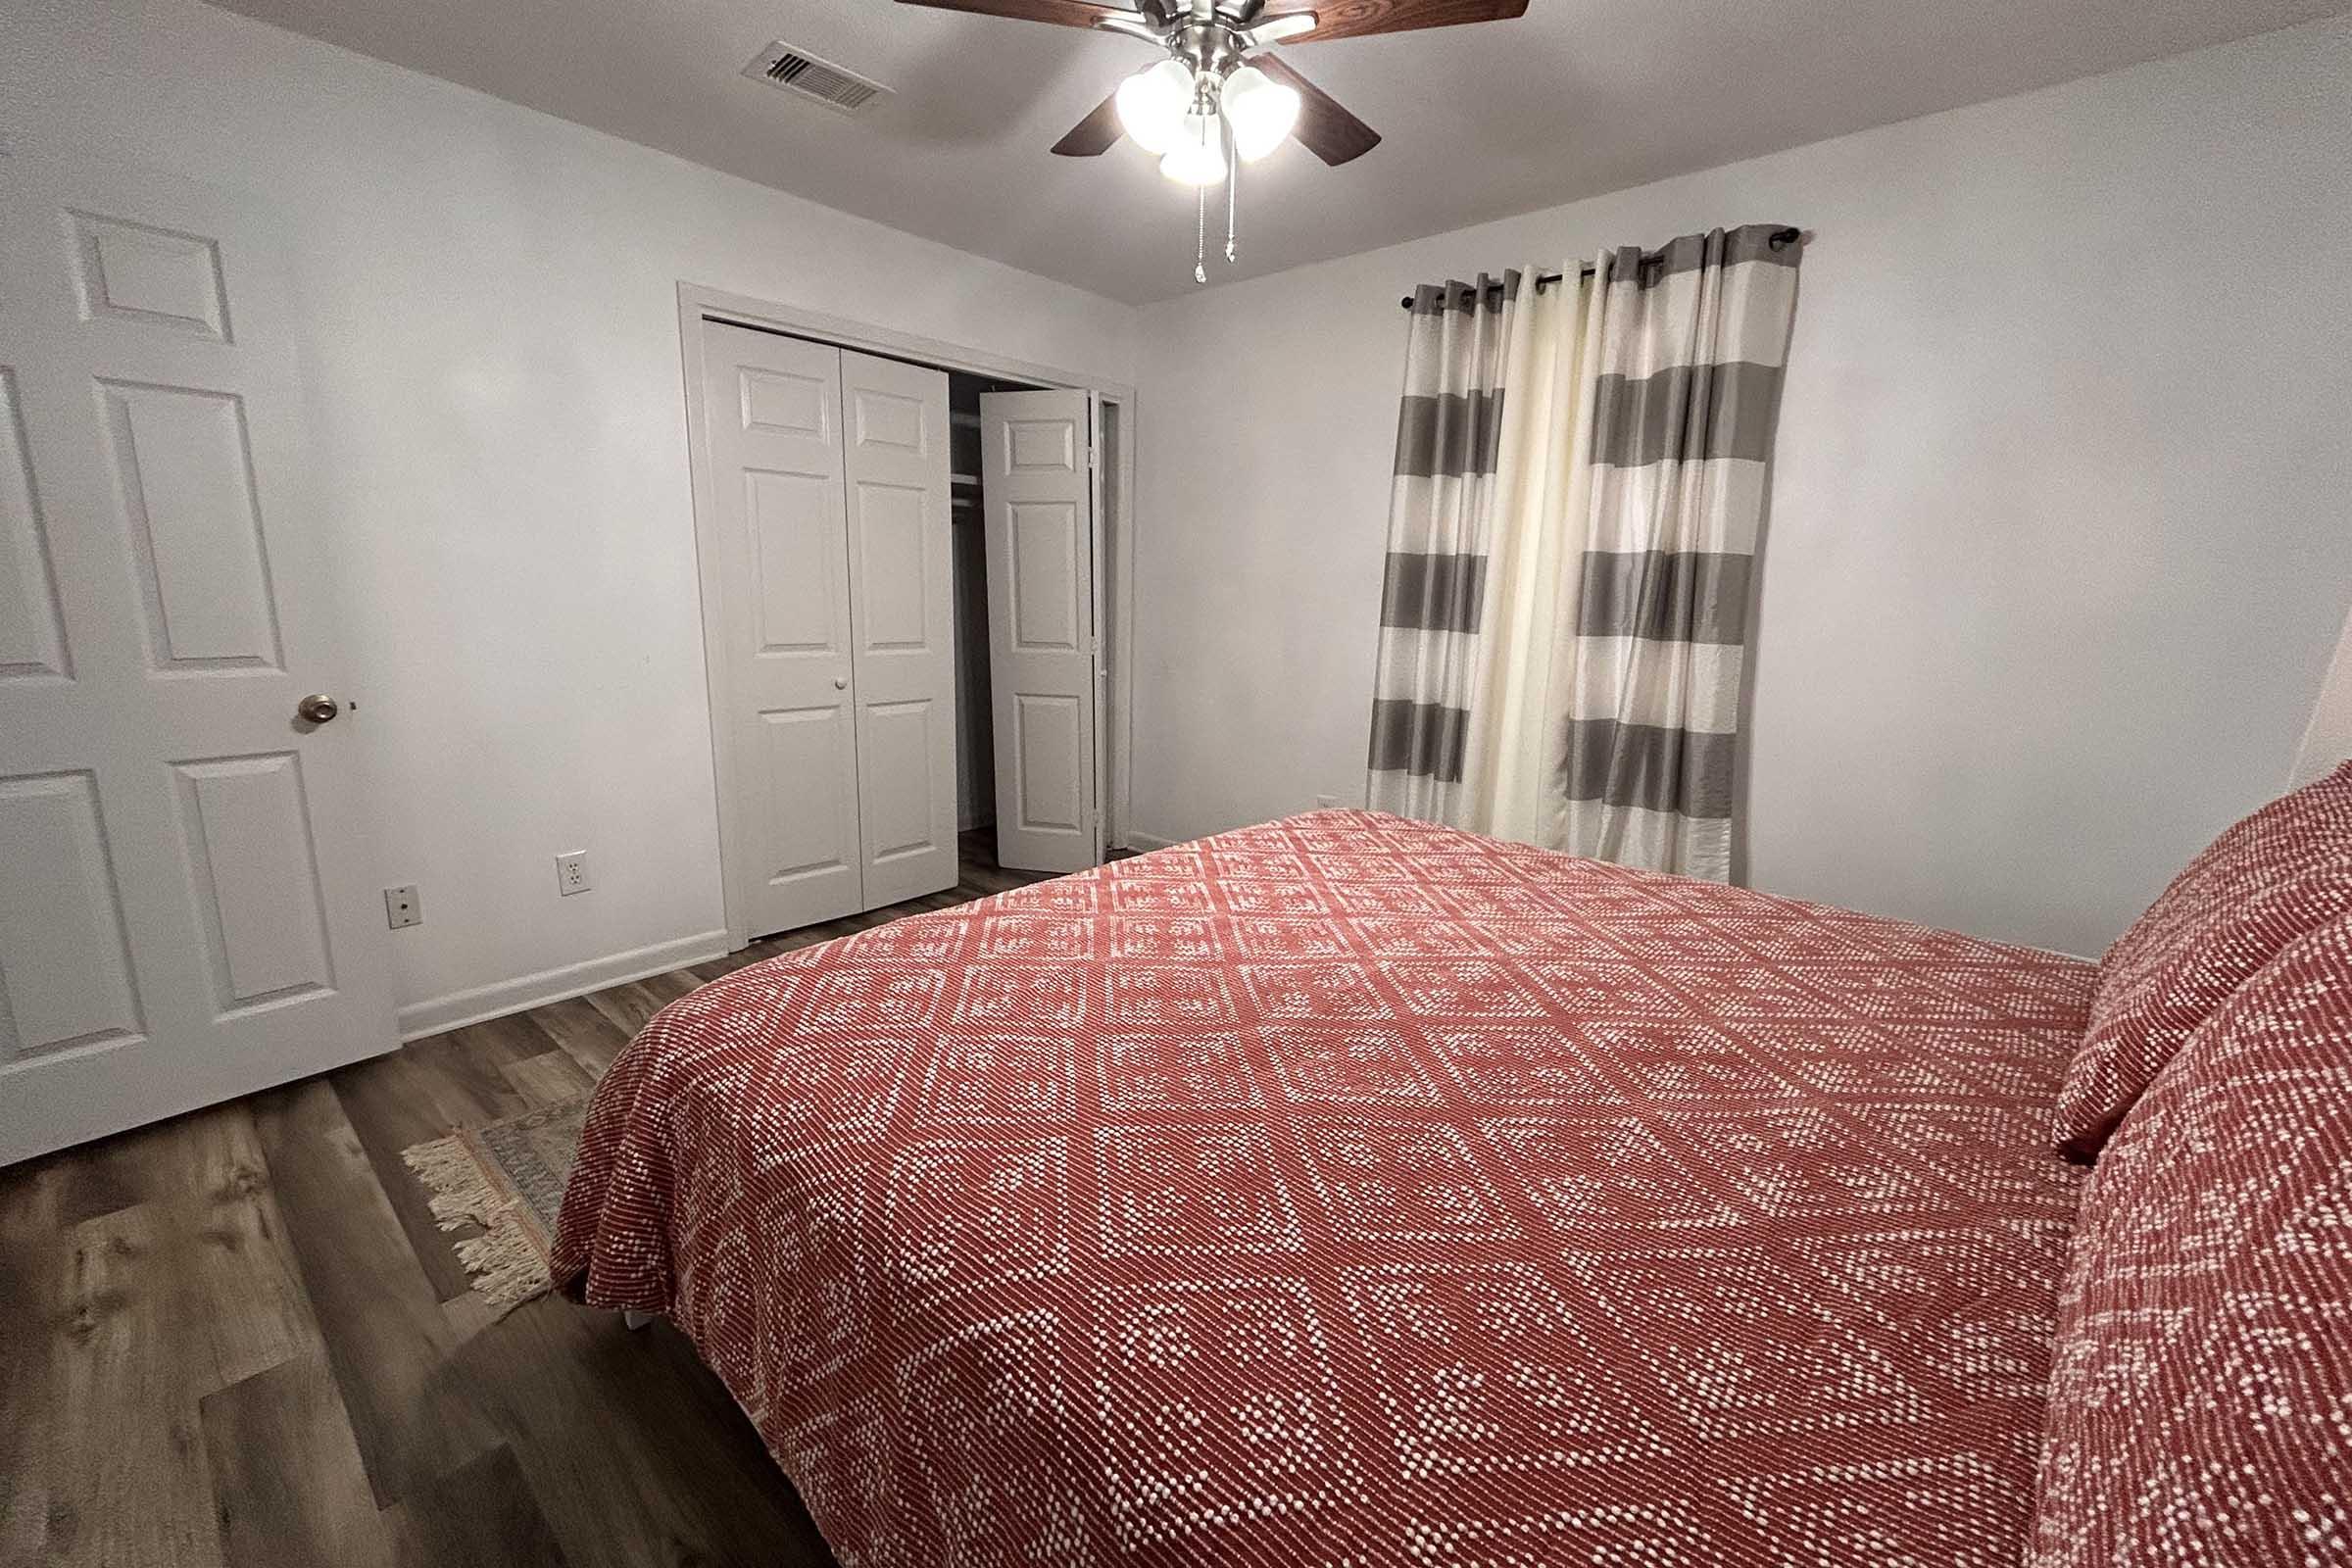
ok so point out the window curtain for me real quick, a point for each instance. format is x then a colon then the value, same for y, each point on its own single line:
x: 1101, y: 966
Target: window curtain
x: 1509, y: 787
x: 1440, y: 514
x: 1597, y: 688
x: 1685, y: 402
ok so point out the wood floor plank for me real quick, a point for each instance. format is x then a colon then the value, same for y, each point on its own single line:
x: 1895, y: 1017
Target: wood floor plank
x: 30, y: 1277
x: 469, y: 1059
x: 626, y: 1007
x: 239, y: 1306
x: 481, y: 1515
x: 547, y: 1078
x: 513, y: 1038
x: 582, y: 1033
x: 107, y: 1175
x: 632, y: 1447
x: 128, y: 1485
x: 156, y: 1305
x: 468, y: 1315
x: 412, y: 1095
x: 630, y: 1006
x: 145, y: 1165
x: 388, y: 1341
x: 673, y: 985
x: 240, y: 1299
x: 394, y: 1102
x: 288, y: 1485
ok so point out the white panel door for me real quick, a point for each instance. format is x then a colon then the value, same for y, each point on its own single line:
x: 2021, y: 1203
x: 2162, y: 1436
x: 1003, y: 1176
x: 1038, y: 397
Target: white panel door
x: 789, y: 818
x: 185, y: 913
x: 895, y: 432
x: 1036, y: 483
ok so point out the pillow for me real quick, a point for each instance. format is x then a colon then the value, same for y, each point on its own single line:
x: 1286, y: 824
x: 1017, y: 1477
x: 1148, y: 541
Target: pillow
x: 2282, y: 871
x: 2201, y: 1397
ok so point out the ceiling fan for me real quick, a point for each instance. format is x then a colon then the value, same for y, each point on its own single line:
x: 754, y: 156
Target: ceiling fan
x: 1221, y: 98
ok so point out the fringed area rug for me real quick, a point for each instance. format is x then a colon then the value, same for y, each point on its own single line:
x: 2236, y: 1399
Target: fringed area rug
x: 508, y: 1178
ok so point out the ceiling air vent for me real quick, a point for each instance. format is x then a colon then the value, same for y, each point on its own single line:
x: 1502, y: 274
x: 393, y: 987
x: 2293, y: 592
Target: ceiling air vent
x: 796, y: 70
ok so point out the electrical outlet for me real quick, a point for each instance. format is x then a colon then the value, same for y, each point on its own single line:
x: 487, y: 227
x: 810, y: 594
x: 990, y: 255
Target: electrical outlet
x: 401, y: 908
x: 571, y: 873
x: 1326, y: 801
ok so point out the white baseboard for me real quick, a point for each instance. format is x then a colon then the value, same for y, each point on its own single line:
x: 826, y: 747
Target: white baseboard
x: 1143, y: 843
x: 440, y: 1015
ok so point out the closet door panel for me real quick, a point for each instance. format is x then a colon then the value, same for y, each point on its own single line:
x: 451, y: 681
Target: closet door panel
x: 1037, y: 481
x: 902, y: 613
x: 790, y: 822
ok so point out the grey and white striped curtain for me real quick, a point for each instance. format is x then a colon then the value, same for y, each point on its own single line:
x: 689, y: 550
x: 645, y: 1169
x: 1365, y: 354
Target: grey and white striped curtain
x: 1440, y: 514
x: 1600, y: 693
x: 1691, y: 346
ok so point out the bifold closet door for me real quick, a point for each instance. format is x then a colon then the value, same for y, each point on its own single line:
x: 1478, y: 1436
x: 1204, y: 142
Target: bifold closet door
x: 829, y: 521
x: 903, y: 614
x: 1036, y: 486
x: 789, y: 818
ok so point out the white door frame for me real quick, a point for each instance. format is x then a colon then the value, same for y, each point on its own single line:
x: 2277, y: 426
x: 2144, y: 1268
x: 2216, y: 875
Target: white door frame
x: 696, y: 301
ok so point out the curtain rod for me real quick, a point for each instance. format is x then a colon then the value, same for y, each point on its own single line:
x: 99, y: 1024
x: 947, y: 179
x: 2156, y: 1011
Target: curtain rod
x: 1778, y: 238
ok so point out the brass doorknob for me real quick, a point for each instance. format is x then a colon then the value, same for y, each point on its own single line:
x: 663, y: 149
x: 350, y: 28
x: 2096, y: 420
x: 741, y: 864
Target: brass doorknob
x: 318, y: 708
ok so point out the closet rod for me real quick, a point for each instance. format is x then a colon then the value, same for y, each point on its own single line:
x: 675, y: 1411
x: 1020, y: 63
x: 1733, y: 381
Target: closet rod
x: 1779, y: 238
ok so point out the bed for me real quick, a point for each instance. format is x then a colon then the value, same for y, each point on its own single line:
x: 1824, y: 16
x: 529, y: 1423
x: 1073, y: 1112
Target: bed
x: 1348, y: 1191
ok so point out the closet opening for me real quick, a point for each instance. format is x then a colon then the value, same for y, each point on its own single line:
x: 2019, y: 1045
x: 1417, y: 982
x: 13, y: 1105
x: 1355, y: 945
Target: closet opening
x: 911, y: 579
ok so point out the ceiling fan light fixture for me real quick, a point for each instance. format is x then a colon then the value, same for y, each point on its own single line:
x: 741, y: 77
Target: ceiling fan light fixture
x: 1198, y: 157
x: 1203, y: 108
x: 1153, y: 105
x: 1260, y: 110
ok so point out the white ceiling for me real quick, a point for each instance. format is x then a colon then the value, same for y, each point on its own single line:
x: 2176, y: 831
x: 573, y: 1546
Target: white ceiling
x: 1575, y: 98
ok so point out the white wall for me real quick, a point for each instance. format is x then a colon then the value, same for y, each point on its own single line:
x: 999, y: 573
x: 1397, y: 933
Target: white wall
x: 2060, y: 541
x: 488, y: 310
x: 2329, y: 739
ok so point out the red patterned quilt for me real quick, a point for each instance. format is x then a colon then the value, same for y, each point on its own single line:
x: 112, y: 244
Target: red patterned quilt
x: 1347, y: 1190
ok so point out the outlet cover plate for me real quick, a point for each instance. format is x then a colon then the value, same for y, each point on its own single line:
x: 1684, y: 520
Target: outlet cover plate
x: 571, y: 873
x: 403, y: 907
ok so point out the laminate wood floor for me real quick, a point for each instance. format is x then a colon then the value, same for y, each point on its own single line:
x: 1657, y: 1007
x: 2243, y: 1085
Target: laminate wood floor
x: 237, y: 1338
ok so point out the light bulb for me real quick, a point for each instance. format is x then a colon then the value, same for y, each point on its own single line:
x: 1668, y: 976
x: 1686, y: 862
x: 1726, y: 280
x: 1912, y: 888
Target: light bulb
x: 1262, y: 111
x: 1152, y: 104
x: 1198, y: 157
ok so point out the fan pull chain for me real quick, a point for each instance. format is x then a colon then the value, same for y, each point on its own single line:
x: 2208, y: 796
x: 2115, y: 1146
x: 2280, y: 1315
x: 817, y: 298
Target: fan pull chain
x: 1201, y: 235
x: 1233, y: 187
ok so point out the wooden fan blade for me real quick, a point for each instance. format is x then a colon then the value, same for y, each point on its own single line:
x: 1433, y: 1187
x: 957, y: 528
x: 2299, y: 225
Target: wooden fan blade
x: 1093, y: 136
x: 1356, y: 19
x: 1061, y: 13
x: 1324, y: 128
